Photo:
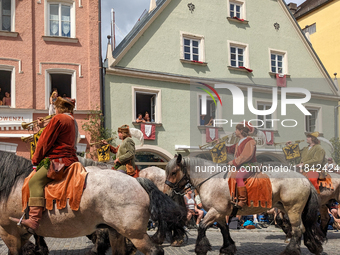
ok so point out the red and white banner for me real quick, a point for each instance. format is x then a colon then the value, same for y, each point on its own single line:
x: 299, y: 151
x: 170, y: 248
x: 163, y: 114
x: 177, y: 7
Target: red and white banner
x: 269, y: 137
x: 149, y: 131
x: 211, y: 134
x: 281, y: 80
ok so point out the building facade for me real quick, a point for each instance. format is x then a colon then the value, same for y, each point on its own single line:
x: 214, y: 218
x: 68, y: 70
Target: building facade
x: 47, y: 45
x: 178, y: 47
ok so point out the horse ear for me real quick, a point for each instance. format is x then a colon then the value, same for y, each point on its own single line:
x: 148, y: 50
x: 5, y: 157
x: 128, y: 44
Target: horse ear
x: 179, y: 159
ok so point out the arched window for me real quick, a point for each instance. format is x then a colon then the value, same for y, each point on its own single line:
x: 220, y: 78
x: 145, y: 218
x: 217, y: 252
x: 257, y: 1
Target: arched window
x: 144, y: 159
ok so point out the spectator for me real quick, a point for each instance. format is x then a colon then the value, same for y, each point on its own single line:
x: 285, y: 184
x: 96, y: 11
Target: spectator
x: 334, y: 214
x: 200, y: 207
x: 1, y: 96
x: 147, y: 117
x: 64, y: 95
x: 202, y: 120
x: 211, y: 122
x: 53, y: 98
x: 192, y: 208
x: 7, y: 99
x: 140, y: 118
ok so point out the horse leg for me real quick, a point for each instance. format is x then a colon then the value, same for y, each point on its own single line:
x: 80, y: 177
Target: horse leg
x: 229, y: 247
x: 101, y: 241
x: 324, y: 219
x: 12, y: 240
x: 283, y: 222
x: 117, y: 242
x: 146, y: 246
x: 159, y: 236
x: 293, y: 247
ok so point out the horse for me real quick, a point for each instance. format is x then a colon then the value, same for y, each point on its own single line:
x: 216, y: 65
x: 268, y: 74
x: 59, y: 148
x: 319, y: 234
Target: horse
x: 291, y: 193
x: 111, y: 199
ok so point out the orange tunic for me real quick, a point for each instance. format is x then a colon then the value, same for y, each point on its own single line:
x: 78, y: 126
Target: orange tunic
x: 57, y: 141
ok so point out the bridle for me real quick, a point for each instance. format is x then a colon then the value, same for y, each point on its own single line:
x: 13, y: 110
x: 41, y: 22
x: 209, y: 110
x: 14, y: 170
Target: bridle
x: 177, y: 187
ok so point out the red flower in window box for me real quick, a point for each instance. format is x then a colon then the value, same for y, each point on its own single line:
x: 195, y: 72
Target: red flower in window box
x: 238, y: 18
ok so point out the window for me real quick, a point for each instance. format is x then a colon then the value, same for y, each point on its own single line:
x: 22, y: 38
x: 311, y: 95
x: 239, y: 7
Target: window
x: 192, y: 47
x: 264, y: 120
x: 146, y: 159
x: 60, y: 19
x: 6, y: 88
x: 238, y: 56
x: 236, y: 9
x: 6, y: 15
x: 311, y: 29
x: 211, y: 111
x: 311, y: 120
x: 64, y: 80
x: 147, y: 101
x: 278, y: 62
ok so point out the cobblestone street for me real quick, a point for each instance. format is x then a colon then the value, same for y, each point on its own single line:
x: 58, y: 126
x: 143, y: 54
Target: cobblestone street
x: 269, y: 241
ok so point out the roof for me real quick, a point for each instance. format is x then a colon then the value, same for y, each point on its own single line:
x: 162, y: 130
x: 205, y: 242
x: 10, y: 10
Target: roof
x: 135, y: 30
x: 309, y: 6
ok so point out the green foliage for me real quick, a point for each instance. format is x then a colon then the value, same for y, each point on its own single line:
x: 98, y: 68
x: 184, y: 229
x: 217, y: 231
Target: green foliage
x: 94, y: 126
x: 44, y: 163
x: 336, y: 153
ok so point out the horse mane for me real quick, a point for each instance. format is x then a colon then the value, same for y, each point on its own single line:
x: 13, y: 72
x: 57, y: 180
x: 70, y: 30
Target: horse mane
x: 12, y: 169
x: 89, y: 162
x: 189, y: 162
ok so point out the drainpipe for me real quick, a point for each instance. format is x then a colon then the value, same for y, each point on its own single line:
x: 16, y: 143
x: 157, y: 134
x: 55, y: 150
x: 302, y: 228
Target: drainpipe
x: 100, y: 59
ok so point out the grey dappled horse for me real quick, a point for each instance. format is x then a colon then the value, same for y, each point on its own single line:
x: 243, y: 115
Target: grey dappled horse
x: 292, y: 193
x: 117, y: 201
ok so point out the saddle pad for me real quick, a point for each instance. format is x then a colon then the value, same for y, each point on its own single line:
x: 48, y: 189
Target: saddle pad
x: 70, y: 187
x: 259, y: 190
x: 326, y: 183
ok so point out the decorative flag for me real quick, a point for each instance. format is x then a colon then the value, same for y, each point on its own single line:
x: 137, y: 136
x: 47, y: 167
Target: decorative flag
x: 281, y: 80
x: 269, y: 137
x: 149, y: 131
x: 104, y: 153
x: 211, y: 134
x: 219, y: 153
x: 35, y: 141
x: 33, y: 146
x: 292, y: 151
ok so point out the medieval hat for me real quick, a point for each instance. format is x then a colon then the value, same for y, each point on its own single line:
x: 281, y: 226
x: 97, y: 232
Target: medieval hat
x: 65, y: 102
x: 314, y: 134
x: 246, y: 124
x: 124, y: 129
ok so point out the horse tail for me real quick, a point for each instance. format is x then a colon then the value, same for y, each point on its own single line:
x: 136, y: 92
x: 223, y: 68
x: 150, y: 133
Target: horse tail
x: 163, y: 209
x: 313, y: 236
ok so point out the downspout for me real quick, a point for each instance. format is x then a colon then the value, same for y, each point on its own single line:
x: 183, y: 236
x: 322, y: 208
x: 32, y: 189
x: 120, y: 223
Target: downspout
x: 100, y: 60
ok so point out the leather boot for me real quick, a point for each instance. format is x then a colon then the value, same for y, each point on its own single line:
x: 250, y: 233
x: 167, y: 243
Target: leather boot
x: 242, y: 196
x: 35, y: 215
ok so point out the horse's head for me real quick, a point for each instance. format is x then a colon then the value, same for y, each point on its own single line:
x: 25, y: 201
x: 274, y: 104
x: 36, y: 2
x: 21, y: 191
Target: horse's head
x: 177, y: 175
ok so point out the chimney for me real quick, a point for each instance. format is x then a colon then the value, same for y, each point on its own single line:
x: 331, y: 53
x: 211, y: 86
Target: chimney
x: 152, y: 5
x: 292, y: 7
x: 113, y: 29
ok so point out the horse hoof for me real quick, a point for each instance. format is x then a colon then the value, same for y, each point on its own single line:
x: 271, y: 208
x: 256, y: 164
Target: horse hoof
x: 177, y: 243
x: 230, y: 250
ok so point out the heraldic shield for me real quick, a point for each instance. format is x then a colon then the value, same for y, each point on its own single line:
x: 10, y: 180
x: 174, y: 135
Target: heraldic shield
x: 292, y: 151
x: 104, y: 153
x: 219, y: 153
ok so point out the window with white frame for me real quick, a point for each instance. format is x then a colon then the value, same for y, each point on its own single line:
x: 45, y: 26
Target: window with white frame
x: 147, y: 101
x: 238, y: 55
x: 192, y: 47
x: 61, y: 19
x: 211, y: 112
x: 6, y: 15
x: 264, y: 121
x: 311, y: 120
x: 237, y: 9
x: 6, y: 87
x: 278, y: 62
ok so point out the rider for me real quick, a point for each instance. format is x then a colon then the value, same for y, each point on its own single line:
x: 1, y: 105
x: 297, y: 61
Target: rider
x: 57, y: 142
x: 312, y: 158
x: 125, y: 153
x: 244, y: 155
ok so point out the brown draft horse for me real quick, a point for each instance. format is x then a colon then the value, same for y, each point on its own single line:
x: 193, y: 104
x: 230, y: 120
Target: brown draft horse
x: 111, y: 199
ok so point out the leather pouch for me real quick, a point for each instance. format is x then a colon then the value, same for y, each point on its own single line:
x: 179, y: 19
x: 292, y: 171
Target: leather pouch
x: 56, y: 170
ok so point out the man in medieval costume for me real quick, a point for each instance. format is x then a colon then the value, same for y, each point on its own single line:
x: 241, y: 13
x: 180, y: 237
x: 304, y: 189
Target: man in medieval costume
x: 57, y: 143
x: 244, y: 156
x: 312, y: 159
x: 125, y: 152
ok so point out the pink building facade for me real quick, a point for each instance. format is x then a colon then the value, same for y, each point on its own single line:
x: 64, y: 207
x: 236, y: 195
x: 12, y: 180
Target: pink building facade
x: 45, y: 45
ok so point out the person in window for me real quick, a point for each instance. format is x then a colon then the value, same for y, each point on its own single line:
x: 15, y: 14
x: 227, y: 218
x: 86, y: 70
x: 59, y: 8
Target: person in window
x: 125, y: 152
x: 53, y: 98
x: 211, y: 122
x: 312, y: 157
x: 1, y: 96
x: 57, y: 142
x: 147, y: 117
x: 202, y: 120
x: 7, y: 99
x: 244, y: 155
x: 140, y: 118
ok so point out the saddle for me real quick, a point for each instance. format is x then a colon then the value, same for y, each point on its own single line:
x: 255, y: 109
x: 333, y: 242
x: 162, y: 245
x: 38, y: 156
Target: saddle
x: 323, y: 182
x: 70, y: 188
x: 259, y: 189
